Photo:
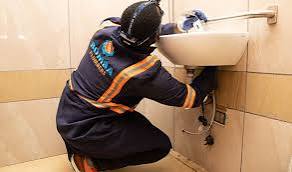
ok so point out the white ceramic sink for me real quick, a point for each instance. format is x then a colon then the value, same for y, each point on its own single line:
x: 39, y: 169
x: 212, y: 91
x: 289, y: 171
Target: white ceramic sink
x: 204, y: 48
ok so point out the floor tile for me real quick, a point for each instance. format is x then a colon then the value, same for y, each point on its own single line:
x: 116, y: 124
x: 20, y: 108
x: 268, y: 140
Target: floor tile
x: 61, y: 164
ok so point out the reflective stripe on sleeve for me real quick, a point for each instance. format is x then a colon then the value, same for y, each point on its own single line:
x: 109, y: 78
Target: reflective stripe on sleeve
x: 125, y: 75
x: 190, y: 98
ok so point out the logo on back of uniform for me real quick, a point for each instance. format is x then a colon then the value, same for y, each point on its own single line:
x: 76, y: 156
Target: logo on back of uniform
x: 100, y: 52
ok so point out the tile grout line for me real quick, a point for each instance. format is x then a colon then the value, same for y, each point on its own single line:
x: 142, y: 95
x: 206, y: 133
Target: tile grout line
x: 173, y: 15
x: 69, y: 33
x: 270, y: 73
x: 247, y: 28
x: 187, y: 162
x: 271, y: 118
x: 226, y: 70
x: 251, y: 72
x: 245, y: 94
x: 18, y: 101
x: 238, y: 71
x: 242, y: 142
x: 174, y: 123
x: 23, y: 162
x: 29, y: 70
x: 169, y: 10
x: 257, y: 114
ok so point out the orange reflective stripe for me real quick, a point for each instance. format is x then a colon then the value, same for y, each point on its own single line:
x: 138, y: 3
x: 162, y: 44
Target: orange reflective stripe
x: 124, y: 76
x: 94, y: 103
x: 107, y: 105
x: 119, y: 108
x: 190, y: 98
x: 70, y: 85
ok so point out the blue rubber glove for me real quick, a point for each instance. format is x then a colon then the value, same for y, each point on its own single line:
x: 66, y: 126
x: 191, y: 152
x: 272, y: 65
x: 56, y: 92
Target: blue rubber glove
x: 201, y: 15
x: 189, y: 21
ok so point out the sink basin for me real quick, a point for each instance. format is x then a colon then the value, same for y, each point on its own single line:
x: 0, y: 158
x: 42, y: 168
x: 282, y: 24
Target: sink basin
x: 204, y: 48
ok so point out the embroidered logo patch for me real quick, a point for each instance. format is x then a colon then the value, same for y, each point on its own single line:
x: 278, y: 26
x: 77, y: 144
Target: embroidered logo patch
x: 108, y: 48
x: 99, y: 52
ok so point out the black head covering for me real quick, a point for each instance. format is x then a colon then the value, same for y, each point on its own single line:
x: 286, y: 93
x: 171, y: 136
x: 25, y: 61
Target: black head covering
x: 140, y: 23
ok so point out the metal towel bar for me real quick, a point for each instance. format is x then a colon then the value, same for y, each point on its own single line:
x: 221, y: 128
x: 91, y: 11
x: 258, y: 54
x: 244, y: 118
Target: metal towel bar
x: 270, y: 13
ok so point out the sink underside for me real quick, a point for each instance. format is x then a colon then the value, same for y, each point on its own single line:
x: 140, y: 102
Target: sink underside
x: 204, y: 48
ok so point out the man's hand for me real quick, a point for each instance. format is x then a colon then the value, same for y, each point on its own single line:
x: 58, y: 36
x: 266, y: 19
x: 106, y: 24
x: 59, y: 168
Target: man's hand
x: 200, y: 14
x: 205, y: 83
x: 190, y: 19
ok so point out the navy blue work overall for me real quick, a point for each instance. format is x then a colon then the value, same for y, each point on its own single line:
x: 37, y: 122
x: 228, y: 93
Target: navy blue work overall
x: 96, y: 116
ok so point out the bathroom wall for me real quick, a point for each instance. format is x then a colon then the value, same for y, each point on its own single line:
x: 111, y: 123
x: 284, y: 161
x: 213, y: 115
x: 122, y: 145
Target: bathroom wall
x: 256, y: 93
x: 34, y: 65
x: 41, y: 43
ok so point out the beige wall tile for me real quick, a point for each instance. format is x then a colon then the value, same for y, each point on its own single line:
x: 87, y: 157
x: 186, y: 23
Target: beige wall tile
x: 224, y: 155
x: 170, y: 70
x: 267, y: 145
x: 163, y: 59
x: 269, y: 46
x: 260, y: 93
x: 141, y: 106
x: 85, y: 17
x: 161, y: 116
x: 181, y: 75
x: 189, y: 146
x: 269, y: 95
x: 282, y: 98
x: 231, y: 89
x: 34, y: 35
x: 28, y: 85
x: 29, y: 131
x: 215, y: 8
